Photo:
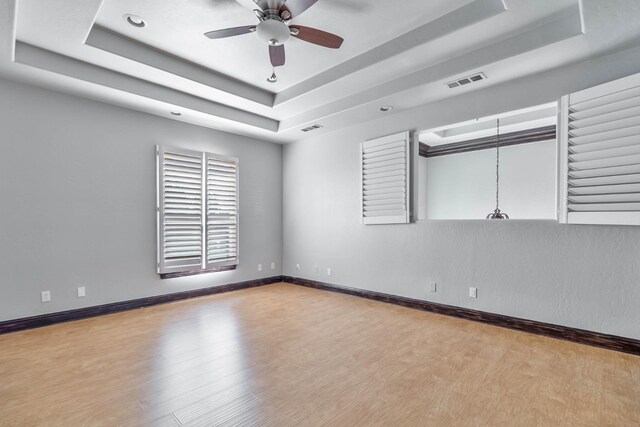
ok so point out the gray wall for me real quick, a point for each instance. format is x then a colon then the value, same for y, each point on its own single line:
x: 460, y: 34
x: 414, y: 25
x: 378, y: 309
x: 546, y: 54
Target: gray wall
x: 580, y: 276
x: 77, y: 201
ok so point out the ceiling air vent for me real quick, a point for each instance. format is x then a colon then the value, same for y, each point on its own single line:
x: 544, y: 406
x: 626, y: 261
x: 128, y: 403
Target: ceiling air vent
x: 466, y: 80
x: 310, y: 128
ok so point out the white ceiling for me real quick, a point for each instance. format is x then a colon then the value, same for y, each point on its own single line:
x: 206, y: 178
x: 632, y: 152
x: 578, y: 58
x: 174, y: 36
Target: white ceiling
x: 396, y: 53
x: 178, y: 28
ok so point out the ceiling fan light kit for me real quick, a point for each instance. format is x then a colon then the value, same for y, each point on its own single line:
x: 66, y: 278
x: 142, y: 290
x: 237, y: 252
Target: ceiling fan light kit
x: 275, y: 30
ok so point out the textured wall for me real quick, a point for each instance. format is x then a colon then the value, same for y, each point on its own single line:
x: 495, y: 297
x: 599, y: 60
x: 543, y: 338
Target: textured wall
x: 77, y: 201
x: 580, y: 276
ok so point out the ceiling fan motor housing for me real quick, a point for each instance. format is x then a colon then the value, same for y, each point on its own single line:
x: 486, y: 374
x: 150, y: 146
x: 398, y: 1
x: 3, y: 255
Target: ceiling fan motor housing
x: 273, y: 32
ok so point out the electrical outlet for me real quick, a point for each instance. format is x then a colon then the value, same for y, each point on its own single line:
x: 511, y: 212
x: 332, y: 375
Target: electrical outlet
x: 82, y: 292
x: 45, y: 296
x: 329, y: 271
x: 259, y: 267
x: 473, y: 292
x: 433, y: 287
x: 316, y: 269
x: 298, y: 267
x: 273, y: 265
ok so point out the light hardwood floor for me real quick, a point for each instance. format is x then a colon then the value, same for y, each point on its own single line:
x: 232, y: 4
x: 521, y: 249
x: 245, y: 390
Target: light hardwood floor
x: 285, y: 355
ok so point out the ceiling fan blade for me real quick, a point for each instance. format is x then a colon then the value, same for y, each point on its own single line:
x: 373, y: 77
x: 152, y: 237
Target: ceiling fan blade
x: 315, y: 36
x: 296, y: 7
x: 229, y: 32
x: 276, y: 53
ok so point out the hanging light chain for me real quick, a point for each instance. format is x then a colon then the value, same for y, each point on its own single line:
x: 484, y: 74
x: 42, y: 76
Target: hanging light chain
x: 498, y: 165
x: 496, y: 214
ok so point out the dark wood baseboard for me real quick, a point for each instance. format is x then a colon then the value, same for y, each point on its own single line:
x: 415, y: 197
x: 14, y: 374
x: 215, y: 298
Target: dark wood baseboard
x: 610, y: 342
x: 83, y: 313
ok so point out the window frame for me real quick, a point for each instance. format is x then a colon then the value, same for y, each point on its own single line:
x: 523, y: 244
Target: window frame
x: 205, y: 266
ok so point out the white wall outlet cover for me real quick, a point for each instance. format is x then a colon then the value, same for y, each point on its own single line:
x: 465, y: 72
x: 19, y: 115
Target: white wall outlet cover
x: 45, y: 296
x: 329, y: 271
x: 298, y: 267
x: 259, y: 267
x: 473, y: 292
x: 317, y: 269
x: 433, y: 287
x: 82, y: 292
x: 273, y: 265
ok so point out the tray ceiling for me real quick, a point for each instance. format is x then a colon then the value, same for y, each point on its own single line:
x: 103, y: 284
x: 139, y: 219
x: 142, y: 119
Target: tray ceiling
x: 395, y: 53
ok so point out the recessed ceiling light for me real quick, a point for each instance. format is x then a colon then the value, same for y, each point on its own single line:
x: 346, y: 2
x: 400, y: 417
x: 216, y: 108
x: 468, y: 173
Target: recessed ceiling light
x: 176, y: 113
x: 386, y: 108
x: 135, y: 20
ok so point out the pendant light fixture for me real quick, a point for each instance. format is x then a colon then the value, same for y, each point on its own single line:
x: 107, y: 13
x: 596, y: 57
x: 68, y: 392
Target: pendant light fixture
x: 496, y: 214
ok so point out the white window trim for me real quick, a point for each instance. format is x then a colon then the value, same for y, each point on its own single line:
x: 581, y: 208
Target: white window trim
x: 205, y: 265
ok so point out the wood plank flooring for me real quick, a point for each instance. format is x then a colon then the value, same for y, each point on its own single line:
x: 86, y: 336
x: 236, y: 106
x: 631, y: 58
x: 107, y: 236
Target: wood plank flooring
x: 284, y: 355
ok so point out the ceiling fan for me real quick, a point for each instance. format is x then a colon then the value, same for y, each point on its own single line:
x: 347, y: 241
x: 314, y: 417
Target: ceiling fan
x: 274, y: 28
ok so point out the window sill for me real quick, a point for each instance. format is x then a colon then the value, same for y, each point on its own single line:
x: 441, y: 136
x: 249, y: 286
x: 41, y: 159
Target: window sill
x: 196, y: 272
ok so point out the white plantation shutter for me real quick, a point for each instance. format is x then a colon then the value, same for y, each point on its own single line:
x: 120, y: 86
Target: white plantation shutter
x: 222, y: 211
x: 385, y: 180
x: 600, y: 154
x: 180, y: 210
x: 197, y: 211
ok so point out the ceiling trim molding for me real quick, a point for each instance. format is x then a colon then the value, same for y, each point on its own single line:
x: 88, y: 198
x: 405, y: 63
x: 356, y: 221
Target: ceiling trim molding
x: 8, y: 24
x: 527, y: 136
x: 465, y: 16
x: 53, y: 62
x: 561, y: 27
x: 120, y: 45
x: 458, y: 131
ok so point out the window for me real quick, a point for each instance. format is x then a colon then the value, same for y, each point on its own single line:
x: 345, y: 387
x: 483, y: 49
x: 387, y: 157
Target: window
x: 197, y: 210
x: 385, y: 180
x: 457, y: 167
x: 600, y: 154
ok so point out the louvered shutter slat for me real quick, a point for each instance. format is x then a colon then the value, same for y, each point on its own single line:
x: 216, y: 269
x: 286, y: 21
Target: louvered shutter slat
x: 396, y: 153
x: 606, y: 189
x: 580, y: 128
x: 602, y: 143
x: 609, y: 207
x: 601, y: 100
x: 605, y: 144
x: 385, y: 213
x: 611, y: 115
x: 385, y: 180
x: 385, y: 161
x: 606, y: 154
x: 605, y: 180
